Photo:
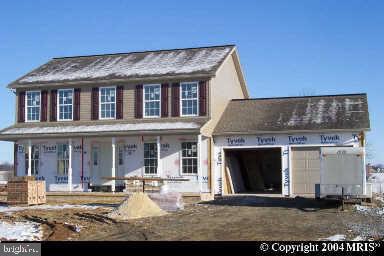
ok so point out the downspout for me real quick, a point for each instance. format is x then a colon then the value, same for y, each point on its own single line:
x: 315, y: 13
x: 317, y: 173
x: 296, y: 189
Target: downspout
x: 82, y: 162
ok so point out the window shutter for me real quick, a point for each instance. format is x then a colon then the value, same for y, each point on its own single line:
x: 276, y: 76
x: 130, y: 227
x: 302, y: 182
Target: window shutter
x: 53, y: 105
x: 175, y: 99
x: 139, y: 101
x: 95, y: 104
x: 76, y: 110
x: 202, y: 98
x: 44, y: 105
x: 21, y: 107
x: 119, y: 102
x: 164, y: 100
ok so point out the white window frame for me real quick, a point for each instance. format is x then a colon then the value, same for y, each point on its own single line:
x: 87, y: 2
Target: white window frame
x: 58, y: 104
x: 181, y: 98
x: 26, y: 106
x: 181, y: 159
x: 66, y: 161
x: 157, y: 160
x: 35, y: 162
x: 107, y: 87
x: 151, y: 85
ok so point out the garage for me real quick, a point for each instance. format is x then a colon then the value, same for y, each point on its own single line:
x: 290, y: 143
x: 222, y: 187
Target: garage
x: 305, y: 162
x: 256, y: 170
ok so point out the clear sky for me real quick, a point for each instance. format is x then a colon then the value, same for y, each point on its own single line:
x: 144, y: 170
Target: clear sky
x: 286, y: 48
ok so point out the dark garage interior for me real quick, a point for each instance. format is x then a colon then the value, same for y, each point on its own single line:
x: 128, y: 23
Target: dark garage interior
x: 253, y: 170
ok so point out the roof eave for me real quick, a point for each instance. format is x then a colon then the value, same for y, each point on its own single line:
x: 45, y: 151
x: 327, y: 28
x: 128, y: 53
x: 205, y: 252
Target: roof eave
x: 288, y: 131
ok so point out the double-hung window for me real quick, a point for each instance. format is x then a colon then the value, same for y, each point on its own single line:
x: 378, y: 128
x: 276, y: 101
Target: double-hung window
x: 189, y: 99
x: 152, y: 100
x: 33, y: 106
x: 35, y: 156
x: 150, y: 158
x: 107, y: 103
x: 189, y: 157
x: 65, y: 106
x: 62, y: 159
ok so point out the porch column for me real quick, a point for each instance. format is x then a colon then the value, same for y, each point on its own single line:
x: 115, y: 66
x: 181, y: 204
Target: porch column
x: 70, y: 165
x: 199, y: 171
x: 29, y: 158
x: 158, y: 145
x: 113, y: 182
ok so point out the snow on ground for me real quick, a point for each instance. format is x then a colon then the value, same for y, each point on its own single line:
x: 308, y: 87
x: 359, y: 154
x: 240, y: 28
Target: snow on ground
x: 20, y: 231
x: 337, y: 237
x: 10, y: 209
x: 369, y: 210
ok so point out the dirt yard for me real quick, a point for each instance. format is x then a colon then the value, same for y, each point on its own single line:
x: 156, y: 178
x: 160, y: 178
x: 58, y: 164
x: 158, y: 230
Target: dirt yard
x: 228, y: 218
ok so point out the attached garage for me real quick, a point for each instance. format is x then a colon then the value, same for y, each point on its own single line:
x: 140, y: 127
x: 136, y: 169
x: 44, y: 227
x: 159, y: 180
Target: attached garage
x: 305, y: 165
x: 273, y: 145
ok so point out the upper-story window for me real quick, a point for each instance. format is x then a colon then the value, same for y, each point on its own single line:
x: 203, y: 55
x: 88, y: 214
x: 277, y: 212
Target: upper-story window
x: 65, y: 106
x: 107, y: 102
x: 33, y: 106
x: 152, y: 100
x: 189, y: 99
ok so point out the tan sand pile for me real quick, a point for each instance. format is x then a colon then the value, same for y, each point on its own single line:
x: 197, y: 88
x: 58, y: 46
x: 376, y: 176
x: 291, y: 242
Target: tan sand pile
x: 138, y: 205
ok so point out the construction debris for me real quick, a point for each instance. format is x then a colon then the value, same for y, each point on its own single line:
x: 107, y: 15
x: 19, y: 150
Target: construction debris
x: 26, y: 190
x: 168, y: 201
x: 138, y: 205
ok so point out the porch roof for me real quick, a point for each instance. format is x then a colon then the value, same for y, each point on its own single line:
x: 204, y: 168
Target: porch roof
x: 112, y: 129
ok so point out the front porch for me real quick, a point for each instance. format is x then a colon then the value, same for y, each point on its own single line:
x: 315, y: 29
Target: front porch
x: 80, y: 164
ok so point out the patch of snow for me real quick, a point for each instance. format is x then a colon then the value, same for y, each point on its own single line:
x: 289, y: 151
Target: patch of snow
x: 129, y: 65
x: 104, y: 128
x: 358, y: 238
x: 377, y: 211
x: 20, y: 231
x: 11, y: 209
x: 337, y: 237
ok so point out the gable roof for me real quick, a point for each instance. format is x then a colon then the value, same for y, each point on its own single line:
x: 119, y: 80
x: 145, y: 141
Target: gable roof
x: 328, y: 112
x: 203, y: 61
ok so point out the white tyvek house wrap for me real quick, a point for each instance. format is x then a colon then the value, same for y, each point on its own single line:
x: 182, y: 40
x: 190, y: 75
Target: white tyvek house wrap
x: 284, y: 141
x: 133, y: 161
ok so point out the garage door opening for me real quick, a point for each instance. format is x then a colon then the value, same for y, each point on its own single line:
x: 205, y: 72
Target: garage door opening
x: 252, y: 171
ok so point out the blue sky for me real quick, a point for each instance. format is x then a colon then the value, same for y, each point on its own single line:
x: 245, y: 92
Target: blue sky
x: 286, y: 48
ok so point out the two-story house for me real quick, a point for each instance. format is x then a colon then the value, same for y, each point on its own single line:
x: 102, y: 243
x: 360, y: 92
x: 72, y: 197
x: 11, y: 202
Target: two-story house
x: 79, y: 119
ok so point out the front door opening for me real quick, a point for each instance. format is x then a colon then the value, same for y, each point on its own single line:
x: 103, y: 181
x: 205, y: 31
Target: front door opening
x: 255, y: 170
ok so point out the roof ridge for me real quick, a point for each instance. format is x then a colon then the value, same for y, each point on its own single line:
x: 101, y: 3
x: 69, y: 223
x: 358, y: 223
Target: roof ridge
x: 297, y: 97
x: 148, y: 51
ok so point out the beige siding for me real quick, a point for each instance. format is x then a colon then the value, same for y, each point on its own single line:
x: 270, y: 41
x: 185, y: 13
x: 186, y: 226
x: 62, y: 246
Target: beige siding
x: 129, y: 102
x: 224, y: 87
x: 85, y: 103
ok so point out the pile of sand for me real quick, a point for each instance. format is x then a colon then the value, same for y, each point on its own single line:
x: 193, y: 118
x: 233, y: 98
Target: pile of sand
x: 138, y: 205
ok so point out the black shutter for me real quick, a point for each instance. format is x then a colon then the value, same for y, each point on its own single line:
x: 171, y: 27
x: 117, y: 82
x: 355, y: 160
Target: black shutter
x: 95, y: 103
x: 21, y: 108
x: 164, y: 100
x: 53, y: 113
x: 44, y: 105
x: 76, y: 109
x: 119, y: 102
x: 139, y: 101
x: 175, y: 99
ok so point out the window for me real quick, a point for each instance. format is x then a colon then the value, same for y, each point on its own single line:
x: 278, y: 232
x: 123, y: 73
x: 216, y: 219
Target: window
x: 189, y: 157
x: 152, y: 100
x: 107, y: 102
x: 33, y: 105
x: 189, y: 99
x: 95, y: 155
x: 34, y: 160
x: 65, y: 106
x: 150, y: 158
x: 62, y: 159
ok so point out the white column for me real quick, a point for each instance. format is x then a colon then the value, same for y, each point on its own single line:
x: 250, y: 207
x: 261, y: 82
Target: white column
x: 70, y: 165
x: 158, y: 145
x: 199, y: 171
x: 113, y: 182
x: 29, y: 158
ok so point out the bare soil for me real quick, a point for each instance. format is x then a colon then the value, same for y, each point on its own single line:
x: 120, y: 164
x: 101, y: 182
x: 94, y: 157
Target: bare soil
x: 227, y: 218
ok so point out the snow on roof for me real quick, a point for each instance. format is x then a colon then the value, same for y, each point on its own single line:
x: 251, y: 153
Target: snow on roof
x: 190, y: 61
x: 101, y: 128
